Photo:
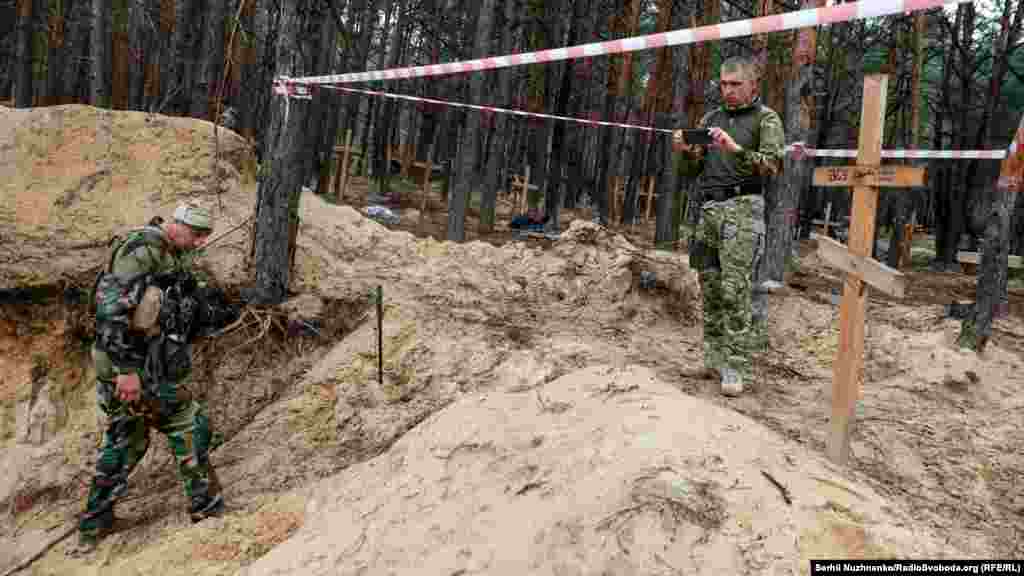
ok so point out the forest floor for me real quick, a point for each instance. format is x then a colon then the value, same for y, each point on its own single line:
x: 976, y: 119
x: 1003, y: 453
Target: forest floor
x: 528, y: 415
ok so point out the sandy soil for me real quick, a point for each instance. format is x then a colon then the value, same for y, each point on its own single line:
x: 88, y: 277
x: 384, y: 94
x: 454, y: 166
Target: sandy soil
x: 492, y: 344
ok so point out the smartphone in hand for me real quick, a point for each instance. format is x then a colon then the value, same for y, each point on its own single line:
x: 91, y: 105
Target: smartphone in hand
x: 697, y: 136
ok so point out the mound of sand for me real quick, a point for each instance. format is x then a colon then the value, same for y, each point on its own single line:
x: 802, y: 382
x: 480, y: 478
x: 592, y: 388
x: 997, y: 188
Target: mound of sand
x: 600, y: 471
x: 71, y: 176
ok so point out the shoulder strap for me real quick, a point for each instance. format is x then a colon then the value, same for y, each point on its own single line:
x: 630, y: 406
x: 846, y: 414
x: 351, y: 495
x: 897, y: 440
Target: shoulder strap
x: 143, y: 235
x: 761, y: 111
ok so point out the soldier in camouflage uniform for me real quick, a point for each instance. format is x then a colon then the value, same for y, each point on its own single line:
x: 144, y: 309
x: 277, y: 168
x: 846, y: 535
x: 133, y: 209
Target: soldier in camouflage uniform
x: 728, y: 215
x: 142, y: 372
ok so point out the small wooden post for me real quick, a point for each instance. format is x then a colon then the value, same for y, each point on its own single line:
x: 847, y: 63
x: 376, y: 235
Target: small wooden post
x: 340, y: 180
x: 428, y: 167
x: 526, y: 188
x: 906, y: 253
x: 865, y: 178
x: 408, y: 158
x: 651, y: 180
x: 380, y: 335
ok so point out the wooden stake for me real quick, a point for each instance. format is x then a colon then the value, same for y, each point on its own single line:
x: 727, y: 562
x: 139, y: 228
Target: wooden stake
x: 526, y: 188
x: 380, y: 335
x: 428, y: 167
x: 340, y: 180
x: 850, y: 358
x: 906, y: 250
x: 650, y: 197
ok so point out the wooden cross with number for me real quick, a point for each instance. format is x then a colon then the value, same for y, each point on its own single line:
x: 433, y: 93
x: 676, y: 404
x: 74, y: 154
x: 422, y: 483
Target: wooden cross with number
x: 865, y: 177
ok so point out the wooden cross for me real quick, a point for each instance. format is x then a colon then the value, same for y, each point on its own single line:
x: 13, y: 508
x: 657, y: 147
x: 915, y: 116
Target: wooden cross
x: 341, y: 155
x: 521, y: 190
x: 865, y: 178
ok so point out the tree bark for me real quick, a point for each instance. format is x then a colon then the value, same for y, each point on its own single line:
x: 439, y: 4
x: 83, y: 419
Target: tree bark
x: 247, y: 68
x: 700, y: 73
x: 185, y: 40
x: 498, y: 142
x: 58, y: 55
x: 279, y: 191
x: 215, y: 88
x: 992, y: 298
x: 322, y: 47
x: 467, y: 159
x: 23, y: 84
x: 202, y: 57
x: 617, y: 66
x: 139, y: 53
x: 328, y: 133
x: 101, y: 46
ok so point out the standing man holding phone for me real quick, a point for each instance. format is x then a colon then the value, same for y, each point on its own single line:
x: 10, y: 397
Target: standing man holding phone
x: 745, y: 144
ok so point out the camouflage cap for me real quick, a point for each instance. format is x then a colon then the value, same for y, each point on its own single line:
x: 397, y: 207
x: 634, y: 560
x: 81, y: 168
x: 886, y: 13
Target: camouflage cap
x: 194, y: 216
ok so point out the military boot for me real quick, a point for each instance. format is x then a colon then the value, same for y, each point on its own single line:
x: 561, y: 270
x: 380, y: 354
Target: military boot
x: 88, y: 540
x: 732, y: 382
x: 204, y: 506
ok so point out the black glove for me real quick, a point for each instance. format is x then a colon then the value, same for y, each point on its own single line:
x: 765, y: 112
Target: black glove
x: 696, y: 250
x: 213, y: 310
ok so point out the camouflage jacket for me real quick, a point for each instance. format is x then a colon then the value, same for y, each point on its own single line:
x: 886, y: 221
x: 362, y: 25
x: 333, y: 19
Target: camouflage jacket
x: 723, y: 175
x: 139, y: 256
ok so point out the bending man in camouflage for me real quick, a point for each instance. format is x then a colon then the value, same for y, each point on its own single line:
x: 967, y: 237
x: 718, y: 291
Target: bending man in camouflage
x: 728, y: 213
x: 143, y: 362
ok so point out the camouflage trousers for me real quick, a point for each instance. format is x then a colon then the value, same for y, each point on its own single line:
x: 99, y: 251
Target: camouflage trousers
x: 174, y: 414
x: 733, y: 234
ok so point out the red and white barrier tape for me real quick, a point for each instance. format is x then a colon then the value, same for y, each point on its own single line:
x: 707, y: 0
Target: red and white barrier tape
x: 790, y: 149
x: 286, y: 86
x: 938, y: 154
x: 499, y: 110
x: 740, y: 28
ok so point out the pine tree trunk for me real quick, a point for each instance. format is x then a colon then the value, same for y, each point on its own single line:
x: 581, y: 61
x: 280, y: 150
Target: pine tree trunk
x: 560, y: 137
x: 216, y: 83
x: 662, y: 149
x: 279, y: 191
x: 76, y: 65
x: 945, y: 240
x: 700, y: 73
x: 331, y: 115
x: 323, y: 49
x: 202, y: 57
x: 139, y: 54
x: 357, y: 60
x: 382, y: 119
x: 992, y: 298
x: 23, y: 85
x: 168, y: 65
x: 56, y: 60
x: 467, y: 159
x: 101, y: 48
x: 782, y: 192
x: 503, y: 95
x: 247, y: 68
x: 185, y: 40
x: 602, y: 191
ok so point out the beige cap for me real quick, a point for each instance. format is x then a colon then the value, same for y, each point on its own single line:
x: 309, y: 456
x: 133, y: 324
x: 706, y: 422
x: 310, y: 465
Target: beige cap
x: 194, y: 216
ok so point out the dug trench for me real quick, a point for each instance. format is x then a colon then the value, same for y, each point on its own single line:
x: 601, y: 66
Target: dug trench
x: 471, y: 321
x: 50, y: 427
x: 509, y: 364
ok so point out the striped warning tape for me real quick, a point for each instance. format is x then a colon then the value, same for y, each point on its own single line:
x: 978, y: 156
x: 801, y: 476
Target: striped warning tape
x: 740, y: 28
x: 791, y: 149
x: 499, y: 110
x: 934, y: 154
